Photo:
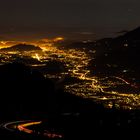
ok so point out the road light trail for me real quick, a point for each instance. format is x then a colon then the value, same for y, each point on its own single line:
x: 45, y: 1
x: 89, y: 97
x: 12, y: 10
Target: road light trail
x: 24, y: 125
x: 11, y: 126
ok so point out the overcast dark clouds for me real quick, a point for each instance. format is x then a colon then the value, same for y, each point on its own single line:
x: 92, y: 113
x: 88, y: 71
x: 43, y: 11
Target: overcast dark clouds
x: 71, y: 18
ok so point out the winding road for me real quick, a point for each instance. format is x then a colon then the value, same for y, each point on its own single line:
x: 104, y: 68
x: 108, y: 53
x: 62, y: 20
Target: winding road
x: 25, y: 127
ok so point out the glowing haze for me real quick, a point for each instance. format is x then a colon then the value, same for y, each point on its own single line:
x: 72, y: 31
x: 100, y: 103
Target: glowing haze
x: 42, y: 42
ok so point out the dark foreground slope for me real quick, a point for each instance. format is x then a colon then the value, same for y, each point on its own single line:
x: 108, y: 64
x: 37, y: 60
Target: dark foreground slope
x: 26, y: 94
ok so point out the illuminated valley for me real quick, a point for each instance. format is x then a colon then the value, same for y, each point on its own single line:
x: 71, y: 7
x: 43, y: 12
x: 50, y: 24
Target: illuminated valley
x: 70, y: 68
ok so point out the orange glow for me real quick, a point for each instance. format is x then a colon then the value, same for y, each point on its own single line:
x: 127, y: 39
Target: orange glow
x: 37, y: 57
x: 58, y: 39
x: 3, y: 42
x: 42, y: 42
x: 30, y: 123
x: 23, y: 128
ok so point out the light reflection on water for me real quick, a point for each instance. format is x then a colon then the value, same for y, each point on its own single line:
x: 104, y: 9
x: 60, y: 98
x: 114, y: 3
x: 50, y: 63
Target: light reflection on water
x: 111, y: 91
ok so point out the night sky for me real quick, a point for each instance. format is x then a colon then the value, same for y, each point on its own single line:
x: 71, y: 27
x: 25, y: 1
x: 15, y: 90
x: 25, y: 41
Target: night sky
x: 75, y: 19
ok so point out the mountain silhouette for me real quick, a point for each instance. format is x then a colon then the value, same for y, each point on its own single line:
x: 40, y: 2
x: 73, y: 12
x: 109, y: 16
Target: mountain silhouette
x: 128, y: 43
x: 120, y: 56
x: 21, y: 47
x: 131, y: 35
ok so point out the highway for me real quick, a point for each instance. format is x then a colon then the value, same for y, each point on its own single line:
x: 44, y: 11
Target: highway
x: 23, y: 127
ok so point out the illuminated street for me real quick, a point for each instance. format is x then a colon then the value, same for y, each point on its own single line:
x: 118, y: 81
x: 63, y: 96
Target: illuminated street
x: 75, y: 65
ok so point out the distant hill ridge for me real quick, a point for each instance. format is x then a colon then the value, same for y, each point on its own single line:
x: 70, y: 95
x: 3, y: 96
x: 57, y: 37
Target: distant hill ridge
x: 133, y: 34
x: 21, y: 47
x: 120, y: 56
